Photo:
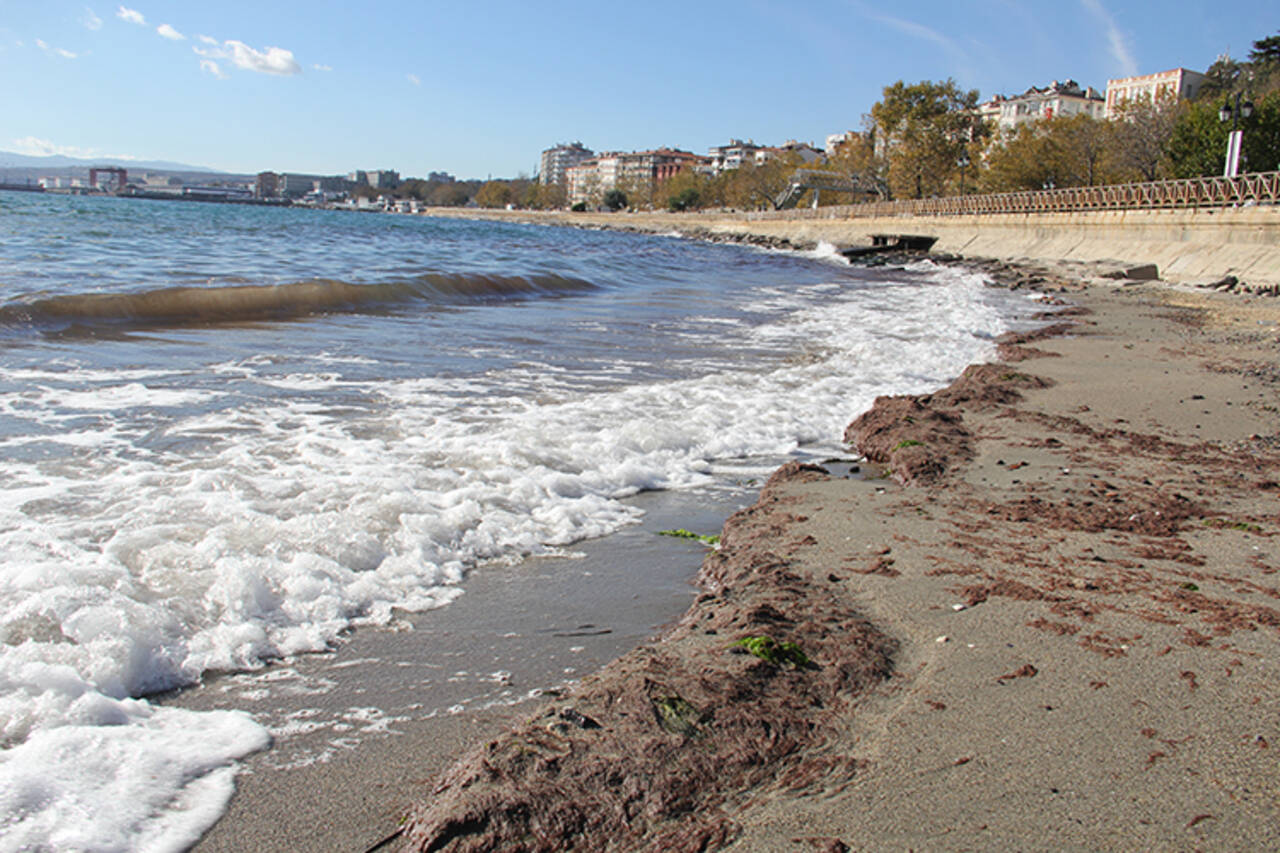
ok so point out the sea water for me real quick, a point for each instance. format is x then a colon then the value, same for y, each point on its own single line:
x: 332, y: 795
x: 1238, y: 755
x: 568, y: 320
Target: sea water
x: 228, y: 434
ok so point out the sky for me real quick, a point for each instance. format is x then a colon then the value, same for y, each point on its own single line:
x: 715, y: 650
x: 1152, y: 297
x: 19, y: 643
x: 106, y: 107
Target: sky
x: 480, y: 88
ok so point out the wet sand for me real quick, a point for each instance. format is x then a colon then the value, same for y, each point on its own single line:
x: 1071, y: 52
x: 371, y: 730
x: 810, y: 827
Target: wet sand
x: 356, y: 732
x: 1051, y: 624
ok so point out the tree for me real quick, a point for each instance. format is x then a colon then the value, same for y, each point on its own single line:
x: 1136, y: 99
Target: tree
x: 1142, y: 135
x: 1266, y: 51
x: 494, y: 194
x: 924, y: 128
x: 857, y: 160
x: 759, y: 185
x: 615, y: 199
x: 685, y: 190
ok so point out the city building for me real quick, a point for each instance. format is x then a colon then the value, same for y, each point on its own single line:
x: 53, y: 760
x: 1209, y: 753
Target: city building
x: 1178, y: 84
x: 805, y: 150
x: 267, y: 185
x: 836, y: 141
x: 1057, y: 99
x: 557, y: 160
x: 732, y: 156
x: 636, y: 172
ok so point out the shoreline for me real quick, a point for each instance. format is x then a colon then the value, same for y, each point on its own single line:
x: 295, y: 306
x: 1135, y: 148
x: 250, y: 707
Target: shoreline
x: 1048, y: 624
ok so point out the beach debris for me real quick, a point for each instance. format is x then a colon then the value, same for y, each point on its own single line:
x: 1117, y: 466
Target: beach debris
x: 769, y: 650
x: 578, y: 718
x: 681, y: 533
x: 943, y: 639
x: 1025, y: 671
x: 1142, y: 272
x: 958, y: 607
x: 678, y: 716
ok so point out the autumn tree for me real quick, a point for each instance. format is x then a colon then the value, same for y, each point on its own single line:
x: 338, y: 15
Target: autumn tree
x: 760, y: 185
x: 924, y: 128
x: 494, y: 194
x: 857, y: 161
x: 1143, y: 129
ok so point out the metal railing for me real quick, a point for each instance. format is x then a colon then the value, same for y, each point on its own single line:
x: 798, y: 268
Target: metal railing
x: 1250, y: 189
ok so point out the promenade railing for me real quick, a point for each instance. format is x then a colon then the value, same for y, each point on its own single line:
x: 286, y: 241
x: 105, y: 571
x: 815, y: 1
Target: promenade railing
x: 1257, y: 188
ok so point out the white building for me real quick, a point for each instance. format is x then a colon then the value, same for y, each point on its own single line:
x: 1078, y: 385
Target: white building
x: 1057, y: 99
x: 557, y: 160
x: 727, y: 157
x: 804, y: 150
x: 1178, y: 84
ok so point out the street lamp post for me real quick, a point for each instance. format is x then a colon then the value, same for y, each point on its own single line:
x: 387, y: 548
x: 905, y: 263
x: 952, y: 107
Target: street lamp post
x: 963, y: 163
x: 1234, y: 141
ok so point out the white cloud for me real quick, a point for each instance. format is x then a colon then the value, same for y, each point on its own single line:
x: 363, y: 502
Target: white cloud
x: 319, y: 67
x: 414, y: 79
x: 90, y: 20
x: 133, y: 16
x: 55, y: 51
x: 272, y: 60
x: 925, y: 33
x: 212, y: 67
x: 170, y: 33
x: 1116, y: 40
x: 207, y: 39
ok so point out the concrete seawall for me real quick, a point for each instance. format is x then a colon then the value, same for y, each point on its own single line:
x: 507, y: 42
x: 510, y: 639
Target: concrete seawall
x: 1187, y: 245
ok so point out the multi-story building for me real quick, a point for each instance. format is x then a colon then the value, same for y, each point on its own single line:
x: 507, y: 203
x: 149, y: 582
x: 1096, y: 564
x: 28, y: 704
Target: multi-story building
x: 1056, y: 99
x: 383, y: 179
x: 1178, y: 84
x: 732, y: 156
x: 267, y: 185
x: 556, y: 162
x: 804, y: 150
x: 636, y: 172
x: 295, y: 186
x: 836, y: 141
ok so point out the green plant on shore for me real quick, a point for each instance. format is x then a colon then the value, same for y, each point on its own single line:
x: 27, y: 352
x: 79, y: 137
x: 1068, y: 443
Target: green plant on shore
x: 1014, y: 377
x: 1228, y: 524
x: 681, y: 533
x: 908, y: 442
x: 771, y: 651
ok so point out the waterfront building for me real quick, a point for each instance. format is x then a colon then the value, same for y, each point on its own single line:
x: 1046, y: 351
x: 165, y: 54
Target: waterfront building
x: 1177, y: 84
x: 267, y: 185
x: 295, y: 186
x: 727, y: 157
x: 805, y: 150
x: 1067, y: 98
x: 638, y: 173
x: 836, y: 141
x: 383, y: 179
x: 557, y: 160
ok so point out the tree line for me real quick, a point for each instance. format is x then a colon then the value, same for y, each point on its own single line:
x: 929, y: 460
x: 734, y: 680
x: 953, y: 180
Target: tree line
x: 927, y: 139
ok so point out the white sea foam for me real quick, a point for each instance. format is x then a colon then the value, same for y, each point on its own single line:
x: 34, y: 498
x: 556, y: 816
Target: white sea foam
x: 284, y: 521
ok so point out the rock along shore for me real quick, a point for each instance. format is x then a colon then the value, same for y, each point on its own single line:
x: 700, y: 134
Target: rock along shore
x: 1049, y: 618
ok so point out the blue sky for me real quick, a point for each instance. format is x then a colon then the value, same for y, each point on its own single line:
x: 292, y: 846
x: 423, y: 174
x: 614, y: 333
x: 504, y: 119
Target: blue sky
x: 480, y: 88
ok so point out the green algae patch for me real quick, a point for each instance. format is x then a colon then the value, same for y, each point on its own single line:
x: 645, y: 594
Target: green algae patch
x: 908, y: 442
x: 1228, y: 524
x: 677, y: 716
x: 681, y: 533
x: 771, y: 651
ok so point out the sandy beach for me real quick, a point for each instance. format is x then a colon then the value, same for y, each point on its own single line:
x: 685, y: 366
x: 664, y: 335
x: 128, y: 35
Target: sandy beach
x: 1048, y: 621
x: 1040, y: 613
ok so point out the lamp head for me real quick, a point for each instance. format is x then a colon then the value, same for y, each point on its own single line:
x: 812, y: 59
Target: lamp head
x: 1224, y: 114
x: 1246, y: 109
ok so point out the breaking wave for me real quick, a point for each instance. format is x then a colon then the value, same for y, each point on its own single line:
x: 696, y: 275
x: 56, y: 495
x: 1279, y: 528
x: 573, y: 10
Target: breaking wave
x: 201, y: 306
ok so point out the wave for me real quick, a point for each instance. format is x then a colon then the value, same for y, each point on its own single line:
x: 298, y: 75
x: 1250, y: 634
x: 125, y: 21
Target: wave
x: 187, y: 306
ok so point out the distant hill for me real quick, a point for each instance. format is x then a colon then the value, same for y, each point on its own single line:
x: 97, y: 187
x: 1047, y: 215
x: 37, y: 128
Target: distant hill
x: 11, y: 160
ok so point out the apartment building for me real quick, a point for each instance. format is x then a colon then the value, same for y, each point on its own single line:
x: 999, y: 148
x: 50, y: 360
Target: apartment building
x: 1067, y: 98
x: 557, y: 160
x: 1177, y: 84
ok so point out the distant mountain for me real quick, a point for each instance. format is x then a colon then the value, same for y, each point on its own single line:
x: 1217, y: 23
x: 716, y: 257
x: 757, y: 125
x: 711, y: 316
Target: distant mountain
x: 11, y: 160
